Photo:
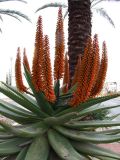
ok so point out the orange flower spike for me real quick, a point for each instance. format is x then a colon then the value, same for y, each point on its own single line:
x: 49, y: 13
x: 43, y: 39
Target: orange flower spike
x: 66, y: 75
x: 47, y: 72
x: 25, y: 60
x: 102, y: 72
x: 18, y: 73
x: 96, y: 52
x: 93, y: 67
x: 38, y: 58
x: 79, y: 94
x: 59, y: 48
x: 89, y: 72
x: 77, y: 68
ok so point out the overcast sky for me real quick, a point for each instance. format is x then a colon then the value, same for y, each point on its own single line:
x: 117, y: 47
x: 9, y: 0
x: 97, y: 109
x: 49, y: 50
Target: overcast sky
x: 23, y: 34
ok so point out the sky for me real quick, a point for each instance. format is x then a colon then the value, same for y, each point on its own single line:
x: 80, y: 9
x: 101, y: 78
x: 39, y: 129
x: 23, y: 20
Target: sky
x: 16, y: 34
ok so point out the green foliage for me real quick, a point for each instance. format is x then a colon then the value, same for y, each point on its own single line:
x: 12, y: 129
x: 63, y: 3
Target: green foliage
x: 54, y: 132
x: 101, y: 115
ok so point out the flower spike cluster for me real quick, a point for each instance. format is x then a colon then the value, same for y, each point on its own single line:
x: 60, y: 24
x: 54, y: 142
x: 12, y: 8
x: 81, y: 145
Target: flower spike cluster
x: 101, y: 73
x: 97, y: 53
x: 59, y: 48
x: 47, y: 72
x: 38, y: 58
x: 91, y: 75
x: 18, y: 73
x: 81, y: 93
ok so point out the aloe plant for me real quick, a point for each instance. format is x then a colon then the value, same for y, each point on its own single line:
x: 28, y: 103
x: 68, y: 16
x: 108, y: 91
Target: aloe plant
x: 49, y: 117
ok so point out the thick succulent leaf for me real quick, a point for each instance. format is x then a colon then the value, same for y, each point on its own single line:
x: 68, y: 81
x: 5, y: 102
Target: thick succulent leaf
x: 65, y: 96
x: 31, y: 130
x: 61, y: 108
x: 72, y: 89
x: 11, y: 146
x: 53, y: 155
x: 95, y: 108
x: 16, y: 109
x: 87, y: 136
x: 106, y: 132
x: 39, y: 149
x: 22, y: 154
x: 61, y: 119
x: 94, y: 101
x: 21, y: 101
x: 104, y: 158
x: 93, y: 150
x: 28, y: 79
x: 57, y: 88
x: 88, y: 104
x: 42, y: 102
x: 22, y: 95
x: 63, y: 147
x: 113, y: 116
x: 1, y: 129
x: 52, y: 5
x: 16, y: 117
x: 92, y: 123
x: 6, y: 135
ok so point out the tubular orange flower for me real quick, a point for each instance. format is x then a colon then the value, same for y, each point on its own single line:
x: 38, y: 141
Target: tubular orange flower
x: 87, y: 73
x: 59, y: 48
x: 66, y: 75
x: 47, y: 72
x: 79, y: 95
x: 38, y: 57
x: 93, y: 67
x: 25, y: 60
x: 96, y: 52
x: 102, y: 72
x: 18, y: 73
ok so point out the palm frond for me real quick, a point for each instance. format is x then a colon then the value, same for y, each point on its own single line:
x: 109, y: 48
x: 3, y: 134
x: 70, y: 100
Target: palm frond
x: 13, y: 0
x: 14, y: 16
x: 95, y: 2
x: 104, y: 14
x: 66, y: 13
x: 52, y: 5
x: 112, y: 0
x: 14, y: 13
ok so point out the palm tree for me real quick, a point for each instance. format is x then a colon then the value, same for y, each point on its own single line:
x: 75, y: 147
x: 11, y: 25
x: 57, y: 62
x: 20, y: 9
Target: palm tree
x: 13, y: 13
x: 79, y: 25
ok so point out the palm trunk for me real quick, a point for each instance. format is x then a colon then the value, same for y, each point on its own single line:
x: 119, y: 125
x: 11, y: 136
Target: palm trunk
x: 79, y: 28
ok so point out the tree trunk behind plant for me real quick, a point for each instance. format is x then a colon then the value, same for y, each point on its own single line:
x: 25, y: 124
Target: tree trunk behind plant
x: 79, y: 28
